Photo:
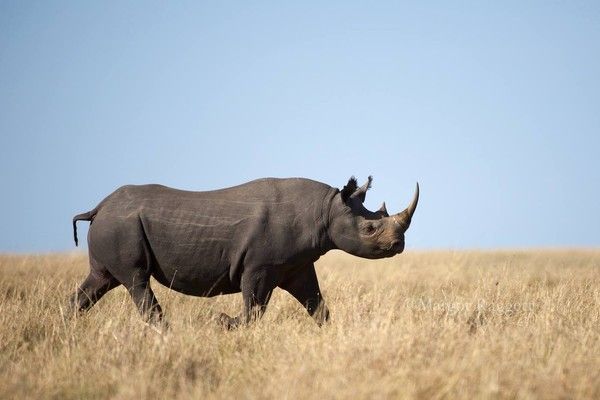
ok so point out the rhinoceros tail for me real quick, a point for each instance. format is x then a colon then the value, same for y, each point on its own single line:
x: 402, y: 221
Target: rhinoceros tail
x: 87, y: 216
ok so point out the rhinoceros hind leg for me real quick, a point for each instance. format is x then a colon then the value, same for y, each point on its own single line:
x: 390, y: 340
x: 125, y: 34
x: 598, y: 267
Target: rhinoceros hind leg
x: 146, y: 302
x: 91, y: 290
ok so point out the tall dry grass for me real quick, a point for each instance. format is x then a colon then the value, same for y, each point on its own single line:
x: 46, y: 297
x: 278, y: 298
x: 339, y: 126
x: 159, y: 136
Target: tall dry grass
x: 421, y: 325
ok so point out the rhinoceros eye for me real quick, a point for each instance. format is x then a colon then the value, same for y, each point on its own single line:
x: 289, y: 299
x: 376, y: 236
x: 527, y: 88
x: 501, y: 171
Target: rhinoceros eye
x: 369, y: 229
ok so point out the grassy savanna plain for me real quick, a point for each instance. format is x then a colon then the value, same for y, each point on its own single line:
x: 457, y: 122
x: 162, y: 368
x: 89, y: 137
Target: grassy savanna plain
x: 445, y: 324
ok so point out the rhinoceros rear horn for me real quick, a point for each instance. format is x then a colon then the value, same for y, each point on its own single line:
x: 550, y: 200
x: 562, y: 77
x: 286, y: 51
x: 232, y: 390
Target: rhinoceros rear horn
x: 383, y: 210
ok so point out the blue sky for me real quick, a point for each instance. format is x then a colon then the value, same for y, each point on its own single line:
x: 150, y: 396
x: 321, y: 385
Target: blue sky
x: 493, y: 108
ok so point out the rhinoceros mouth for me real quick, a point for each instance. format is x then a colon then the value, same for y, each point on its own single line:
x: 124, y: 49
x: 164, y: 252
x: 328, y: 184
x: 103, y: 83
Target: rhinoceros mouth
x: 396, y: 246
x: 388, y: 251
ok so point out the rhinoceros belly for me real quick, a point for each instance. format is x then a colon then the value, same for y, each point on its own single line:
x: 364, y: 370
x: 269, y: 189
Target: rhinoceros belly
x: 192, y: 255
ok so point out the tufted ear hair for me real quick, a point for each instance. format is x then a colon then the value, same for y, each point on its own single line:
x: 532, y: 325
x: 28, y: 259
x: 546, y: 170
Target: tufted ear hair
x: 349, y: 189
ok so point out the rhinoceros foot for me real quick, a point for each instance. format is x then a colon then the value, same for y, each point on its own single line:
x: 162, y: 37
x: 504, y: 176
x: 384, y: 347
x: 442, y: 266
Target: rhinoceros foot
x: 228, y: 322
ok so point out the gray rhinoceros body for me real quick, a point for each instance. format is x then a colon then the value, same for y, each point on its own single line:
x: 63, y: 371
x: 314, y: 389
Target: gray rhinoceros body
x: 198, y: 243
x: 250, y: 238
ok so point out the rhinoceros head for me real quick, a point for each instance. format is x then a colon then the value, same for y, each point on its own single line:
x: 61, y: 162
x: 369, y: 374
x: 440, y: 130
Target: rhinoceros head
x: 364, y: 233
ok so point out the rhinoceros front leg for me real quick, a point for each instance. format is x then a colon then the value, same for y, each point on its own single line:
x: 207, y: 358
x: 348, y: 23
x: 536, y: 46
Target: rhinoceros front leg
x: 257, y: 286
x: 304, y: 286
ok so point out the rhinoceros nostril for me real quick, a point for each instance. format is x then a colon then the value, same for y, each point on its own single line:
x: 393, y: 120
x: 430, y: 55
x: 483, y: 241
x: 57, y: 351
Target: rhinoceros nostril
x: 393, y: 244
x: 397, y: 245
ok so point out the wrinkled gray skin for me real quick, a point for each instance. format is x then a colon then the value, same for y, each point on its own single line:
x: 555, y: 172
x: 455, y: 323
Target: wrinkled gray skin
x: 249, y: 238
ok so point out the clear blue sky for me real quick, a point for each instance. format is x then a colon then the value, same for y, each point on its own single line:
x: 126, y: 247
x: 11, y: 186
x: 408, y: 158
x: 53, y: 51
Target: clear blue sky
x: 493, y: 108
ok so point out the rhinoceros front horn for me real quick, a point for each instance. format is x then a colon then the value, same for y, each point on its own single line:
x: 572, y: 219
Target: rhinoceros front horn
x: 405, y: 216
x: 413, y: 205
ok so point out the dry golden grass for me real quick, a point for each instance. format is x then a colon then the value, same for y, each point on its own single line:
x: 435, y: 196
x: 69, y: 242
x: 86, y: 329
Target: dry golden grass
x: 422, y: 325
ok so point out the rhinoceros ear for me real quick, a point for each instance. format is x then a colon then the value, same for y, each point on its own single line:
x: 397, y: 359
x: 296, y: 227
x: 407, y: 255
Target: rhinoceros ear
x: 349, y: 189
x: 361, y: 193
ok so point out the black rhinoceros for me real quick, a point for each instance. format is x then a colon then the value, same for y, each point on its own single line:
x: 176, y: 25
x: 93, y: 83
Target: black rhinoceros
x: 249, y: 238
